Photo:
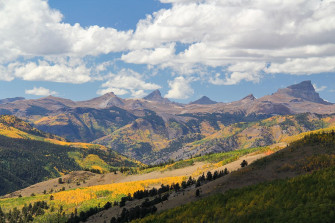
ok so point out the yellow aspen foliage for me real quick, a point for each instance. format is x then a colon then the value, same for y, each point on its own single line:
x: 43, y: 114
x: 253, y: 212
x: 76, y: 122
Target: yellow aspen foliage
x: 80, y: 195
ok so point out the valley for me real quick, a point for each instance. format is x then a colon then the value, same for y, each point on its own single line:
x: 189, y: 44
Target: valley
x: 167, y: 111
x: 150, y: 160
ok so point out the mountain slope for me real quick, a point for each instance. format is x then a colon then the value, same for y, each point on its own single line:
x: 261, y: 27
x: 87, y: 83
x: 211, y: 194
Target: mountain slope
x: 312, y: 153
x: 305, y: 198
x: 149, y: 141
x: 8, y: 100
x: 105, y: 101
x: 308, y: 197
x: 154, y: 129
x: 304, y: 90
x: 29, y: 157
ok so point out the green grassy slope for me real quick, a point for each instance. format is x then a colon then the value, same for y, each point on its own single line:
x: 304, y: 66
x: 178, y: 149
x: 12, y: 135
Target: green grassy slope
x: 28, y: 157
x: 309, y: 197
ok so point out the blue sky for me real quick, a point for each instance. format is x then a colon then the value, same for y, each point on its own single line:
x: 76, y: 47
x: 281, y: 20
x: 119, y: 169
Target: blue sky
x: 80, y: 49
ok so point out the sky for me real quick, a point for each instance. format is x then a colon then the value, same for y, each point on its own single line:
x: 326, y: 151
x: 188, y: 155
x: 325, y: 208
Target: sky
x: 224, y: 49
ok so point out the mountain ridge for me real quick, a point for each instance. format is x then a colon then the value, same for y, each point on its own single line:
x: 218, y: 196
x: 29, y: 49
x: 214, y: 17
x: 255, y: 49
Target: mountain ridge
x: 153, y: 128
x: 293, y: 99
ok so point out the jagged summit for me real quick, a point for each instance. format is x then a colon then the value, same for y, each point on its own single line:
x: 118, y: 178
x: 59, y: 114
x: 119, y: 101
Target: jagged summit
x: 249, y: 97
x: 154, y: 96
x: 303, y: 90
x: 304, y: 86
x: 104, y: 101
x: 204, y: 101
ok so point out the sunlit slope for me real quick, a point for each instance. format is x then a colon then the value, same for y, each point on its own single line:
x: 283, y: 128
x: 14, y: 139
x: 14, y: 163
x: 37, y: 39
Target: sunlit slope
x: 312, y: 152
x: 277, y: 129
x: 14, y: 127
x: 82, y: 199
x: 308, y: 198
x: 305, y: 198
x: 150, y: 141
x: 27, y: 157
x: 84, y: 124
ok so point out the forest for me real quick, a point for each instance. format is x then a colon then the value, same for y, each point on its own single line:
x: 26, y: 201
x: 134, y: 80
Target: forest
x: 24, y: 162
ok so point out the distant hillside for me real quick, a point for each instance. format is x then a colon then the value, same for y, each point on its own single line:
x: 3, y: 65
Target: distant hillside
x: 154, y: 129
x: 8, y: 100
x: 149, y: 139
x: 28, y: 157
x: 11, y: 125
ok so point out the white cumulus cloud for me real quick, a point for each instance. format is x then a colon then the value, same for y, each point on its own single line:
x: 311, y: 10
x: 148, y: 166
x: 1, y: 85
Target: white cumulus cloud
x: 46, y: 71
x: 318, y: 89
x: 40, y: 91
x: 180, y: 88
x: 242, y: 39
x: 31, y: 30
x: 294, y: 37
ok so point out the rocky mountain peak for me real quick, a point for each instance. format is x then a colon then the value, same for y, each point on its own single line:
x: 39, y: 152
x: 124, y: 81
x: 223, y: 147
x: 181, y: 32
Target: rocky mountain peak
x: 303, y: 90
x: 302, y: 86
x: 204, y: 101
x: 105, y: 101
x: 109, y: 94
x: 154, y: 96
x: 157, y: 96
x: 250, y: 97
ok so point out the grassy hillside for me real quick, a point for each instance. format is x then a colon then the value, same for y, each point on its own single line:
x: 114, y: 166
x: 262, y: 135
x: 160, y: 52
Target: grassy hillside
x: 211, y: 161
x: 153, y: 141
x: 84, y: 124
x: 307, y: 198
x: 62, y: 204
x: 27, y: 157
x: 272, y: 201
x: 266, y: 132
x: 151, y: 138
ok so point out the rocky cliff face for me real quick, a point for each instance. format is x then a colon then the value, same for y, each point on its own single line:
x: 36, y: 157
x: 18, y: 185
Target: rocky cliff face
x: 156, y: 96
x: 303, y: 90
x: 141, y: 128
x: 105, y: 101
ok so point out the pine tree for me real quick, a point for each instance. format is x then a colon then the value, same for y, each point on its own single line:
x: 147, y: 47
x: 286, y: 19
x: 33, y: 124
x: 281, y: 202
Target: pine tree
x: 197, y: 193
x: 244, y: 163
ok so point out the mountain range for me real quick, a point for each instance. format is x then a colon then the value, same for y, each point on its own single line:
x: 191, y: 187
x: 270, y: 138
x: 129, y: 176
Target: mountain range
x: 152, y: 128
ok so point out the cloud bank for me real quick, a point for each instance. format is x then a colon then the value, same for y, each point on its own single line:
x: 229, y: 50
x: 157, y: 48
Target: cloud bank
x: 243, y: 40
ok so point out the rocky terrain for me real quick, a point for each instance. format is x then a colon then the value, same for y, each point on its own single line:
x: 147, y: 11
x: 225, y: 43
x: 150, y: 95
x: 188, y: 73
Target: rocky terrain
x: 153, y: 129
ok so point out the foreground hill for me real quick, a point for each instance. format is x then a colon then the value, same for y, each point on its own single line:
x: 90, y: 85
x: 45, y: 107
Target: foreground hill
x: 305, y: 198
x: 313, y: 152
x: 95, y: 190
x: 28, y: 157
